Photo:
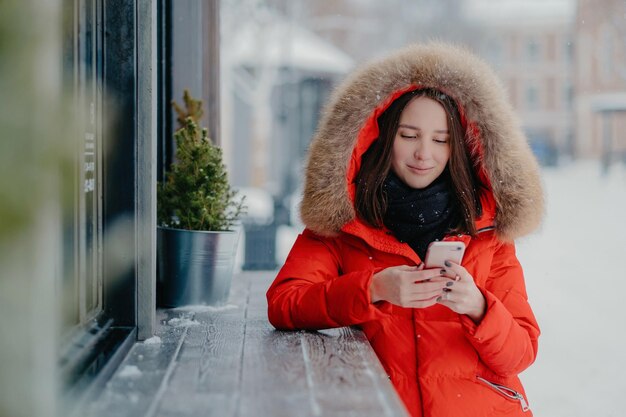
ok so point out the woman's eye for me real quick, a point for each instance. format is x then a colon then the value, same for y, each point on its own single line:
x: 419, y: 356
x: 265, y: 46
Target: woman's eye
x: 441, y: 140
x: 408, y: 136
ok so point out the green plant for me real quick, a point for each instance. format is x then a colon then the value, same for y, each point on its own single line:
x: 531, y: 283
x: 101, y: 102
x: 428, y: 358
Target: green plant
x: 196, y: 194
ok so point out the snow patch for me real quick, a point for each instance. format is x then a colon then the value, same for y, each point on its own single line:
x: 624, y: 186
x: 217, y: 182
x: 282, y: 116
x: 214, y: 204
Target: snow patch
x: 130, y: 371
x: 183, y: 322
x: 203, y: 308
x: 154, y: 340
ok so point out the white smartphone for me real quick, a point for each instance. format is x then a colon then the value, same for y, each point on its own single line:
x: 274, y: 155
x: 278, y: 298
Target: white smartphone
x: 439, y: 252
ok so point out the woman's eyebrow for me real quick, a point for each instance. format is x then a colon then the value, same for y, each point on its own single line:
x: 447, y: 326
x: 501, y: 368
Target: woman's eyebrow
x: 445, y: 131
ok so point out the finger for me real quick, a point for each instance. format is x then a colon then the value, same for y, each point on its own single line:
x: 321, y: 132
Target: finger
x: 443, y: 279
x: 425, y: 296
x: 455, y: 271
x: 426, y: 274
x: 447, y: 297
x: 423, y: 303
x: 407, y: 268
x: 450, y: 283
x: 428, y: 287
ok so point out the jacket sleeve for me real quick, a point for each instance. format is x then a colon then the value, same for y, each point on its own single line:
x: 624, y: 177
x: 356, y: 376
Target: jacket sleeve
x: 310, y: 292
x: 506, y: 338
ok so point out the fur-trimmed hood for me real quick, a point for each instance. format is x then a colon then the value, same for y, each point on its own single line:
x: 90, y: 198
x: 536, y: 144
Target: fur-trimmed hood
x: 494, y: 136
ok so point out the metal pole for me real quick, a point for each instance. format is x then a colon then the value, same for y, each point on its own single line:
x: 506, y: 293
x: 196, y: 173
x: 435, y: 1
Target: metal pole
x: 606, y: 142
x: 146, y: 166
x: 211, y: 67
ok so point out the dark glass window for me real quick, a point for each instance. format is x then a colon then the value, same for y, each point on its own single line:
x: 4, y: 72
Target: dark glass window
x: 98, y: 288
x: 82, y: 278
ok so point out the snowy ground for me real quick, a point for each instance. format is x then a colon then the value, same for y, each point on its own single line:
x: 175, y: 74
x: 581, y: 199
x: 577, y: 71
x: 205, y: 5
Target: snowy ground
x: 576, y: 282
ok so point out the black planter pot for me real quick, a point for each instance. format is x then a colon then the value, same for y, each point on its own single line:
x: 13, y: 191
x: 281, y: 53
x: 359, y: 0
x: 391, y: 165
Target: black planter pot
x: 194, y: 267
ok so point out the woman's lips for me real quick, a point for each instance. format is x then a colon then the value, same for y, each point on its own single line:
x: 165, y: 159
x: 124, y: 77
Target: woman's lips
x: 419, y: 170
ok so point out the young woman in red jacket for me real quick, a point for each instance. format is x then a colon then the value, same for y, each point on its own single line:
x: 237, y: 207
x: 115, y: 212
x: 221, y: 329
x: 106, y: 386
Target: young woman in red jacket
x: 418, y: 147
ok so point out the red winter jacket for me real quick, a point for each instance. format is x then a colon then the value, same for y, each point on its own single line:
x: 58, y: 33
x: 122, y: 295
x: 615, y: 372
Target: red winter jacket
x: 441, y: 363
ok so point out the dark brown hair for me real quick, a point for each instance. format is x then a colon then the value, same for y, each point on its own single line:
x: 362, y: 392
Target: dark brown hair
x: 370, y: 199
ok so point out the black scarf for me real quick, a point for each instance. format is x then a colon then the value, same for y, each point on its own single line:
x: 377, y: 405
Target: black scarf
x: 419, y: 217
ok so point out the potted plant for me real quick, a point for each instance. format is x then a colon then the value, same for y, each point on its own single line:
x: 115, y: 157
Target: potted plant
x: 196, y: 213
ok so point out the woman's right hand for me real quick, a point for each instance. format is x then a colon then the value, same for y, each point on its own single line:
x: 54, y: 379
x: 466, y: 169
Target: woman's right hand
x: 408, y: 286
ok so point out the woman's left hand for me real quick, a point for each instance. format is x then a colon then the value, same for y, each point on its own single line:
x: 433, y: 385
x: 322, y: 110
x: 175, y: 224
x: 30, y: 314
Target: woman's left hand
x: 461, y: 294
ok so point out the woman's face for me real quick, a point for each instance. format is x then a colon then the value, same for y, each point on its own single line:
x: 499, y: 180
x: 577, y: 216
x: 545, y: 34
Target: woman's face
x: 421, y: 147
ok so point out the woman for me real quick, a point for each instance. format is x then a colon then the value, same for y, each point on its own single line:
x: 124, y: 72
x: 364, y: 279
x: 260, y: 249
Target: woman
x: 418, y: 147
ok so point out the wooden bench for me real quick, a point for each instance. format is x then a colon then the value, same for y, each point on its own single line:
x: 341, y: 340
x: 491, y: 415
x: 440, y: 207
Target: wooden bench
x: 232, y: 362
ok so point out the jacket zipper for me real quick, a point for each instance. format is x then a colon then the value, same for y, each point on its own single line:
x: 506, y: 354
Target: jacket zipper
x: 417, y: 367
x: 507, y: 392
x: 485, y: 229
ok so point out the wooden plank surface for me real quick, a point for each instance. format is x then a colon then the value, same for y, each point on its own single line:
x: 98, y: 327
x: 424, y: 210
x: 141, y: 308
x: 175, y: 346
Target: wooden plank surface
x: 231, y: 362
x: 274, y: 376
x: 134, y: 386
x: 207, y: 372
x: 342, y: 380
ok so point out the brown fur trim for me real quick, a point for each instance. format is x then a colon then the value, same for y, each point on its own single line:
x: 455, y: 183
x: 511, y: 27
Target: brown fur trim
x: 507, y: 158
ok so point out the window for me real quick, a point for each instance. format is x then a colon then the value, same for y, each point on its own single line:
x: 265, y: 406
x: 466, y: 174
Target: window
x: 568, y: 50
x: 568, y: 95
x: 82, y: 285
x: 98, y: 288
x: 532, y: 97
x: 533, y: 51
x: 551, y: 93
x: 494, y: 52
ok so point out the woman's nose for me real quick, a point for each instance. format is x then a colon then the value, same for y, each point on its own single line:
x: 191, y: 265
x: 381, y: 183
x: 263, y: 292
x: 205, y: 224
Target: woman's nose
x: 421, y: 151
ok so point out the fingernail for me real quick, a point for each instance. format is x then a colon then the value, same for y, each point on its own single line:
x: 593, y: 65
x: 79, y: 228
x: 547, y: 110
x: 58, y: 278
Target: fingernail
x: 442, y: 272
x: 449, y: 283
x: 438, y: 299
x: 447, y: 263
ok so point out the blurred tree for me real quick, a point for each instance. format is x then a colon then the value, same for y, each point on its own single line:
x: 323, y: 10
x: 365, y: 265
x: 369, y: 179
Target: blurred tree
x: 34, y: 157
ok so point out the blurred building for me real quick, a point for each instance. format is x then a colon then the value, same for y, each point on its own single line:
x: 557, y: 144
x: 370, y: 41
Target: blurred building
x: 364, y: 29
x: 600, y: 78
x: 562, y: 61
x: 276, y: 77
x: 530, y: 44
